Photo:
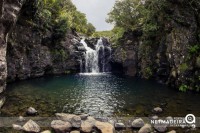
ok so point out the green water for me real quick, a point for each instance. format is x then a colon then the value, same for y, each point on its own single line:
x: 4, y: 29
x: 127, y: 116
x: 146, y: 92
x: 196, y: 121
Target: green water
x: 98, y: 95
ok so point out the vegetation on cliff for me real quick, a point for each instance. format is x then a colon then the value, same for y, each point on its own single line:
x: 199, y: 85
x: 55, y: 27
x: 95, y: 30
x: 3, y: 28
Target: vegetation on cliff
x: 58, y: 16
x: 168, y: 46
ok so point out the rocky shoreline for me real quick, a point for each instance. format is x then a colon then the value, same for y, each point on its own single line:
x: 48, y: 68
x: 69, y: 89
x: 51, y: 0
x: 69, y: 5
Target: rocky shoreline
x: 63, y: 122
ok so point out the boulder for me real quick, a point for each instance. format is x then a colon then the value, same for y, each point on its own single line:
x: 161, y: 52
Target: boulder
x: 120, y: 125
x: 31, y: 111
x: 91, y: 120
x: 21, y: 119
x: 61, y: 126
x: 76, y: 121
x: 105, y: 127
x: 84, y: 116
x: 17, y: 127
x: 137, y: 123
x: 157, y: 110
x: 161, y: 127
x: 73, y: 119
x: 86, y: 126
x: 145, y: 129
x: 31, y: 126
x: 46, y: 131
x: 173, y: 131
x: 155, y: 117
x: 75, y: 131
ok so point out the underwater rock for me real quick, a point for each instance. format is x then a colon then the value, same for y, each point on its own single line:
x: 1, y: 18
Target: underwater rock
x: 21, y: 119
x: 17, y: 127
x: 137, y: 123
x: 31, y: 126
x: 145, y: 129
x: 105, y: 127
x: 157, y: 110
x: 155, y: 117
x: 31, y: 111
x: 61, y: 126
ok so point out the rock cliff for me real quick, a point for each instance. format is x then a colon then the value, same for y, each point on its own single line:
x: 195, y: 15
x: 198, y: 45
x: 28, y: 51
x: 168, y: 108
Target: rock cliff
x: 173, y: 57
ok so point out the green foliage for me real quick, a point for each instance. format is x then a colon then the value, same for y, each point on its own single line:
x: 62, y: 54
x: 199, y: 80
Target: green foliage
x: 148, y: 72
x: 183, y: 88
x: 194, y: 49
x: 60, y: 16
x: 183, y: 67
x: 113, y: 35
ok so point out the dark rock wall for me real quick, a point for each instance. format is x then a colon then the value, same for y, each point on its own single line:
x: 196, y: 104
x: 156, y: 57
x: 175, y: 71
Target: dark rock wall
x: 9, y: 10
x: 31, y: 53
x: 170, y: 59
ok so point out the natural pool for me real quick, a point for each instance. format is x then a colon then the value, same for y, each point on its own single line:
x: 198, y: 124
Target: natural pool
x: 103, y: 95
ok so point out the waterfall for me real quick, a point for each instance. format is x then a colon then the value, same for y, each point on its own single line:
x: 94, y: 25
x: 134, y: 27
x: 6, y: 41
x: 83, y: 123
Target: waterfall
x: 95, y: 60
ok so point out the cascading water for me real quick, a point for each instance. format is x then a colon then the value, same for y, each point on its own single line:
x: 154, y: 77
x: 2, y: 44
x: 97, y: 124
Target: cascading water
x: 95, y: 60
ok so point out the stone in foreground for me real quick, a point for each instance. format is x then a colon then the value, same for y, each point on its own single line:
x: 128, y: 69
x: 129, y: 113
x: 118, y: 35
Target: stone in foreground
x: 31, y: 111
x: 17, y: 127
x: 120, y: 126
x: 86, y: 127
x: 105, y: 127
x: 73, y: 119
x: 173, y: 131
x: 145, y: 129
x: 161, y: 127
x: 31, y: 126
x: 46, y: 131
x: 137, y: 123
x: 75, y: 132
x: 61, y: 126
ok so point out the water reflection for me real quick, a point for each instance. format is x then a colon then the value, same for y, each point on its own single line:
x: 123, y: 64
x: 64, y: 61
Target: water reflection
x: 98, y: 95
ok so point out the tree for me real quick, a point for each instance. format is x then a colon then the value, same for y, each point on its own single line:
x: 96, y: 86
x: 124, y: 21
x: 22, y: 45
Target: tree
x: 90, y: 29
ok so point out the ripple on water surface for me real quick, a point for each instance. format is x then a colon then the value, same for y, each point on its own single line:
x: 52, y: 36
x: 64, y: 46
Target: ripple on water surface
x: 99, y: 95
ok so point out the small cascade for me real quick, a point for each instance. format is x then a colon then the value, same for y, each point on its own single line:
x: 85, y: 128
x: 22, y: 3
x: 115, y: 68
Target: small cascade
x: 95, y: 60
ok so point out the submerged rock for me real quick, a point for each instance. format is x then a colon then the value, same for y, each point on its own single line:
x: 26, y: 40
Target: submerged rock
x: 31, y: 126
x: 105, y: 127
x: 61, y: 126
x: 157, y: 110
x: 17, y: 127
x: 137, y: 123
x: 31, y: 111
x: 155, y: 117
x: 145, y: 129
x: 21, y: 119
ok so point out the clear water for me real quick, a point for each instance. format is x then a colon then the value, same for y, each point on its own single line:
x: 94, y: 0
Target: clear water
x: 99, y: 95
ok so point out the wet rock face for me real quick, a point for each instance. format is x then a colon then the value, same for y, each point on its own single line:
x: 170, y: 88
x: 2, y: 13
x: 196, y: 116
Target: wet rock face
x: 31, y: 54
x: 9, y: 10
x: 169, y: 58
